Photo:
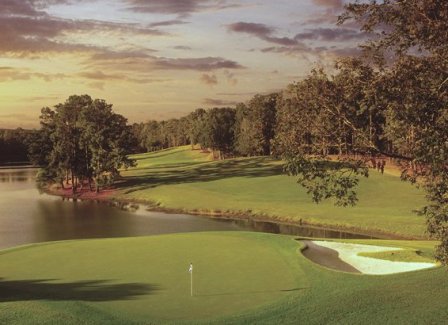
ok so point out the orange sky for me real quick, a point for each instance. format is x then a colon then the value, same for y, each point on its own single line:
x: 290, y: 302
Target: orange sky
x: 156, y: 59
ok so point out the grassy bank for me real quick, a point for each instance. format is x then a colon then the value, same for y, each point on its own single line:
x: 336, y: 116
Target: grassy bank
x: 239, y: 278
x: 186, y: 180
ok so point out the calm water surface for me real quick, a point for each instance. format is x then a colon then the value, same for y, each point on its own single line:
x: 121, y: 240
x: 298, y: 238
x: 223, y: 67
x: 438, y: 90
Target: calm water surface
x: 29, y: 217
x: 26, y: 216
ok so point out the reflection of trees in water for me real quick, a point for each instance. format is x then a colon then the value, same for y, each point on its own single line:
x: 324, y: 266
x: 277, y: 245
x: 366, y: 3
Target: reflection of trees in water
x: 12, y: 176
x: 75, y: 219
x: 305, y: 231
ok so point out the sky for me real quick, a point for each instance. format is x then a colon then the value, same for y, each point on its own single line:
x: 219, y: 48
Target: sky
x: 159, y: 59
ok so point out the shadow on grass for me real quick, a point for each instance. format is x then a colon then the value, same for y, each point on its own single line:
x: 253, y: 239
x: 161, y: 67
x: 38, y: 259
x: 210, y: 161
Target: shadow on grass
x: 150, y: 177
x: 248, y: 292
x: 95, y: 290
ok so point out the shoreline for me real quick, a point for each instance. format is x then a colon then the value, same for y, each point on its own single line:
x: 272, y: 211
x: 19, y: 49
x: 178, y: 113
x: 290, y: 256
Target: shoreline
x: 107, y: 195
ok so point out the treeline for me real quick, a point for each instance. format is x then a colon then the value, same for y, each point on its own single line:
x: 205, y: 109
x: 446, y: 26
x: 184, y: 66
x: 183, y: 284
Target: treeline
x: 340, y: 114
x: 14, y: 146
x: 246, y: 130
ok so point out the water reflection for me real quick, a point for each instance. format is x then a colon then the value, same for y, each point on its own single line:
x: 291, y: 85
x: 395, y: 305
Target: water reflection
x: 9, y: 175
x: 303, y: 231
x: 29, y: 217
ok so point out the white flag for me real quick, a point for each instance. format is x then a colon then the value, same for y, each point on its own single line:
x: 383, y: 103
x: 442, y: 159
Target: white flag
x: 191, y: 268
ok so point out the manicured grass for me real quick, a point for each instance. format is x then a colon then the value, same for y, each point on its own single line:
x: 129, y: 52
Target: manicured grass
x: 400, y: 255
x: 250, y: 278
x: 187, y: 180
x: 141, y: 279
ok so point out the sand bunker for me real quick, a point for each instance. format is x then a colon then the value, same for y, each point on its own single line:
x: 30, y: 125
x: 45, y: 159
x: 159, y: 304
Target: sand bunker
x: 368, y: 265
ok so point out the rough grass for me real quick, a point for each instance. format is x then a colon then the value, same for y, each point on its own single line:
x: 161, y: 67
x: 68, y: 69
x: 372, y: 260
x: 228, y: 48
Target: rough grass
x: 187, y: 180
x: 241, y: 278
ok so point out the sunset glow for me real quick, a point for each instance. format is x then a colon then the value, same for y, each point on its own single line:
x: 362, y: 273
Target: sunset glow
x: 161, y: 58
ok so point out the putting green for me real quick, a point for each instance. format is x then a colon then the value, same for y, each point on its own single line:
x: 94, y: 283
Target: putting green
x: 146, y: 278
x: 240, y: 278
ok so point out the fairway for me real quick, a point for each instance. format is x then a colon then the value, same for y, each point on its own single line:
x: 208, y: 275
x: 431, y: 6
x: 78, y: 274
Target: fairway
x: 240, y: 278
x: 186, y: 180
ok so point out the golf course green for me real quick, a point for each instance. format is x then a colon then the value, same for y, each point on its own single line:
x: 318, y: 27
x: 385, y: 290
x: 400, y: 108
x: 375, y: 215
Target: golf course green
x: 186, y: 180
x: 239, y: 277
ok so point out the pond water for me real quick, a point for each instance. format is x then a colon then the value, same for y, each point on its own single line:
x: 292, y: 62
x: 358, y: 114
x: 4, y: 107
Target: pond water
x: 26, y: 216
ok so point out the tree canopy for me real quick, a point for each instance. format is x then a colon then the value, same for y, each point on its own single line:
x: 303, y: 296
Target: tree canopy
x: 84, y: 141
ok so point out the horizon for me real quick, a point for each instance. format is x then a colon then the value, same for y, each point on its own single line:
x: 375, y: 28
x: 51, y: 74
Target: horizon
x: 155, y: 60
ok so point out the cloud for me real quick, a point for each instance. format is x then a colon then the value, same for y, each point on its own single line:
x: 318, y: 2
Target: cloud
x: 345, y: 51
x: 138, y: 61
x: 107, y: 55
x: 41, y: 98
x: 97, y: 85
x: 330, y: 34
x: 14, y: 7
x: 100, y: 76
x: 289, y: 50
x: 11, y: 74
x: 168, y: 23
x: 179, y: 7
x: 166, y: 6
x: 218, y: 102
x: 329, y: 3
x: 313, y: 54
x: 27, y: 30
x: 238, y: 94
x: 182, y: 47
x: 209, y: 80
x: 261, y: 31
x: 230, y: 76
x: 199, y: 64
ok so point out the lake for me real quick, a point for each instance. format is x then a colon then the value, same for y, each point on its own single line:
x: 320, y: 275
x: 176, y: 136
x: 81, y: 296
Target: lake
x: 27, y: 216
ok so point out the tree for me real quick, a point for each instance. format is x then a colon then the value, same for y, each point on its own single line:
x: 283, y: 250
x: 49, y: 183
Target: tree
x: 84, y: 140
x: 414, y: 33
x: 14, y: 145
x: 255, y: 124
x: 313, y: 122
x: 219, y: 130
x: 104, y: 139
x: 406, y: 66
x: 196, y: 126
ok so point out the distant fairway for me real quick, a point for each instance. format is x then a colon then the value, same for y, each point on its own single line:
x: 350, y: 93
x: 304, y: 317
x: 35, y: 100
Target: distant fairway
x: 240, y: 278
x: 186, y: 180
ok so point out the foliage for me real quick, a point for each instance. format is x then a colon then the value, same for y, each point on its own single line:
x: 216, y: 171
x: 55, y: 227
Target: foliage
x: 411, y: 49
x: 219, y: 130
x: 255, y: 125
x: 14, y: 145
x: 325, y: 179
x: 83, y: 140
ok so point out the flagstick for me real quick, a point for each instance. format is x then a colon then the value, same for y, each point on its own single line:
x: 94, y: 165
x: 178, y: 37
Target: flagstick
x: 191, y: 277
